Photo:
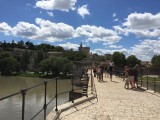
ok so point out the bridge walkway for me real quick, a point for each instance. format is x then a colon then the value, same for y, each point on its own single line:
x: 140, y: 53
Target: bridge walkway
x: 116, y: 103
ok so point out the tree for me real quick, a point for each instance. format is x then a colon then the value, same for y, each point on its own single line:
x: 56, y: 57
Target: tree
x: 45, y: 65
x: 119, y: 59
x: 155, y: 60
x: 56, y: 65
x: 8, y: 64
x: 21, y: 44
x: 74, y: 55
x: 133, y: 60
x: 29, y: 45
x: 25, y: 60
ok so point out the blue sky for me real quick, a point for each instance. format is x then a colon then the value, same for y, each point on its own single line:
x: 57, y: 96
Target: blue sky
x: 128, y: 26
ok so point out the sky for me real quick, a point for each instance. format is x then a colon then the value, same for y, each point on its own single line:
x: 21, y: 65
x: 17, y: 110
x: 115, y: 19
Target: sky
x: 106, y: 26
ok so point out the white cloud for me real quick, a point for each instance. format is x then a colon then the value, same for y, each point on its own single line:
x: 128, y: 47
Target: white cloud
x: 146, y: 49
x: 5, y: 28
x: 121, y: 30
x: 145, y: 21
x: 52, y: 32
x: 115, y: 20
x: 142, y: 25
x: 97, y: 34
x: 25, y: 29
x: 63, y: 5
x: 83, y: 11
x: 115, y: 46
x: 50, y: 14
x: 114, y: 15
x: 44, y: 30
x: 106, y: 51
x: 69, y: 46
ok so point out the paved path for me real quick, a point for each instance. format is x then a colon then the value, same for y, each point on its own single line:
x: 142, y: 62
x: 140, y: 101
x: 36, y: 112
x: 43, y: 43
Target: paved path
x: 116, y: 103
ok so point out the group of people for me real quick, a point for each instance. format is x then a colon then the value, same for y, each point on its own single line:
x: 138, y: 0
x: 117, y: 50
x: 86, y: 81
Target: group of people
x: 100, y: 70
x: 131, y: 76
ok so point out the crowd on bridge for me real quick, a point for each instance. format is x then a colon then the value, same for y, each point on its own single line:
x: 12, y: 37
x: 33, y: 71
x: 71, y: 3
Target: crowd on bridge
x: 130, y: 75
x: 100, y: 70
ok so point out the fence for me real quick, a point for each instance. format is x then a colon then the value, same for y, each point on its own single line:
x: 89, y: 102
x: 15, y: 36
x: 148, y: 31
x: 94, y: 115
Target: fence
x: 149, y: 80
x: 23, y: 93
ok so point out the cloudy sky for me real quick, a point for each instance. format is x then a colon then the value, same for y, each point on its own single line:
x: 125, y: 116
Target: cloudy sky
x: 128, y: 26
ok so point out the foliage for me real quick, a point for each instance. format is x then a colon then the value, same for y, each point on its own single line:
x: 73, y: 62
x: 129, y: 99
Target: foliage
x: 25, y: 60
x: 155, y: 60
x: 8, y: 64
x: 119, y: 59
x: 133, y: 60
x: 101, y: 58
x: 74, y: 55
x: 56, y: 65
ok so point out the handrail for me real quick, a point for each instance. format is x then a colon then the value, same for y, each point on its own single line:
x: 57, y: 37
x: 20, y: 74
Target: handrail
x: 154, y: 82
x: 23, y: 92
x: 147, y: 83
x: 8, y: 96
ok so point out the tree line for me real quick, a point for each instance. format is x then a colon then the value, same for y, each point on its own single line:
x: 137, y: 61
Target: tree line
x: 29, y: 46
x: 36, y: 57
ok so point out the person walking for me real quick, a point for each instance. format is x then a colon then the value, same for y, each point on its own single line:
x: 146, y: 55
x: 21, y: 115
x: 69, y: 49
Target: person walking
x: 111, y: 69
x: 136, y: 72
x: 126, y: 77
x: 94, y: 71
x: 131, y: 77
x: 101, y: 72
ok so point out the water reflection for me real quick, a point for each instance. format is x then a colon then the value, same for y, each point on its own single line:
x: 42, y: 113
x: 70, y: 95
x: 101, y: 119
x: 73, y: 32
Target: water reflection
x: 10, y: 109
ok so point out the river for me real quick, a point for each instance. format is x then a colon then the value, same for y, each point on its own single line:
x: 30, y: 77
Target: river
x: 10, y: 109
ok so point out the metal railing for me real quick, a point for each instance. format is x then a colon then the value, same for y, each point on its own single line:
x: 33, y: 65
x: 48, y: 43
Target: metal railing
x: 23, y: 93
x: 146, y: 80
x: 150, y: 82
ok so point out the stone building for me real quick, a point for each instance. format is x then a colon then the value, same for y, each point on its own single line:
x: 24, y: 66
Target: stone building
x: 85, y: 50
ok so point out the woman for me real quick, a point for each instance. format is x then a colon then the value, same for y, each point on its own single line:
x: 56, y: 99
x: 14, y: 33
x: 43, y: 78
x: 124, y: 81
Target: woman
x: 131, y: 77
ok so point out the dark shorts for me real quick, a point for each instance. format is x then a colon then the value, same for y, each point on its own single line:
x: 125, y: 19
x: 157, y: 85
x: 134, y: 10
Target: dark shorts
x: 110, y: 73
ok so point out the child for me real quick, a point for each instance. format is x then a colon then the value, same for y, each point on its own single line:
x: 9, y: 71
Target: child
x: 127, y: 79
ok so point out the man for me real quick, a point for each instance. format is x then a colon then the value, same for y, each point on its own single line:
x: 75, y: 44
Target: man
x: 111, y: 69
x: 136, y: 72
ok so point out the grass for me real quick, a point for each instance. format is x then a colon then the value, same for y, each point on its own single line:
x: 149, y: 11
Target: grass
x: 28, y: 74
x: 149, y: 78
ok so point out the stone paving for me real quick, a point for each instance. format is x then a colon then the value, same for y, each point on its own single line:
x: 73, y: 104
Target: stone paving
x: 116, y: 103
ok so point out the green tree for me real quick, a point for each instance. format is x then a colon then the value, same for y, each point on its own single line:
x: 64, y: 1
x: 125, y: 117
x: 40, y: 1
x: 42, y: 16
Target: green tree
x: 45, y: 65
x: 21, y: 44
x: 45, y: 47
x: 119, y: 59
x: 8, y: 64
x: 56, y: 65
x: 133, y: 60
x: 74, y: 55
x: 30, y: 45
x: 155, y: 60
x: 25, y: 60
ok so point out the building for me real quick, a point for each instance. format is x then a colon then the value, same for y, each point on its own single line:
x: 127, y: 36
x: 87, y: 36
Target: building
x: 85, y: 50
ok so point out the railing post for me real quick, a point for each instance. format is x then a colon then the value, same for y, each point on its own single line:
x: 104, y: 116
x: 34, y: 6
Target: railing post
x: 72, y: 87
x: 147, y: 82
x: 91, y: 81
x: 45, y: 95
x: 23, y: 92
x: 141, y: 80
x: 154, y: 85
x: 56, y: 95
